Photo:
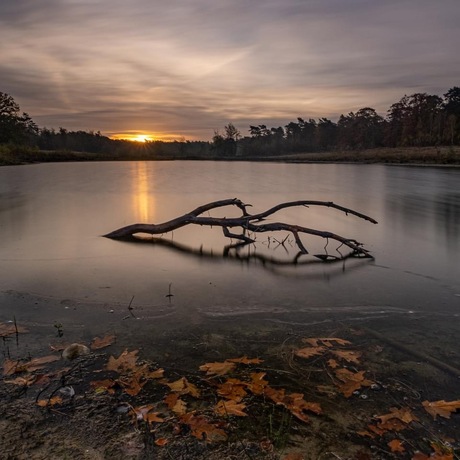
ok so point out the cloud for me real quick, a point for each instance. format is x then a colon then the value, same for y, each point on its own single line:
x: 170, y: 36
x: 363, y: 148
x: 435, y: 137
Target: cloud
x: 189, y: 67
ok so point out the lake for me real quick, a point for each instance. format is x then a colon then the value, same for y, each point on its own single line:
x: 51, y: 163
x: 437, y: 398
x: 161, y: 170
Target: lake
x: 57, y: 267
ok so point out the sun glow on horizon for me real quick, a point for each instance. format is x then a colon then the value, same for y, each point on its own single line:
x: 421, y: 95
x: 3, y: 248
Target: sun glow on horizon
x: 135, y: 137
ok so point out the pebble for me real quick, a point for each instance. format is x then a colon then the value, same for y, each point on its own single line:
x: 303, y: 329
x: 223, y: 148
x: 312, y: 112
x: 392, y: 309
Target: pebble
x: 74, y: 351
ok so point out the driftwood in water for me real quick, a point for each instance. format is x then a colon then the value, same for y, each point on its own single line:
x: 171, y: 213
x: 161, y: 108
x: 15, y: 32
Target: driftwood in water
x: 248, y: 224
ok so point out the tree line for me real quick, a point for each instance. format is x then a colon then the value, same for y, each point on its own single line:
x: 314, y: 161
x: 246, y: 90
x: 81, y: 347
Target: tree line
x: 419, y: 120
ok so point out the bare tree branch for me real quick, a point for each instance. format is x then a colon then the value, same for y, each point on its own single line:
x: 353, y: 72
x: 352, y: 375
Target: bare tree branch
x: 251, y: 222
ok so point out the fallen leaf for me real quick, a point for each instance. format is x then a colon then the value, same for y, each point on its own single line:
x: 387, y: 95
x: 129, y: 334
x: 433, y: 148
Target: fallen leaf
x: 161, y: 441
x: 441, y: 408
x: 218, y: 368
x: 257, y: 384
x: 10, y: 329
x: 203, y: 429
x: 175, y: 404
x: 50, y: 402
x: 308, y: 352
x: 102, y: 386
x: 293, y: 456
x: 420, y: 456
x: 230, y: 407
x: 396, y: 446
x: 23, y: 381
x: 124, y: 363
x: 404, y: 414
x: 332, y: 363
x: 350, y: 356
x: 326, y: 341
x: 184, y: 387
x: 246, y: 360
x: 232, y: 389
x: 351, y: 381
x: 103, y: 342
x: 152, y: 417
x: 11, y: 367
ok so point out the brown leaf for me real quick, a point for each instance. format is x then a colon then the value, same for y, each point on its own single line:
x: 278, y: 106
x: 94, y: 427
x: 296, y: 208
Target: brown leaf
x: 351, y: 381
x: 230, y: 407
x: 103, y: 342
x: 396, y: 446
x: 294, y: 456
x: 15, y: 367
x: 10, y: 329
x: 246, y: 360
x: 404, y: 415
x: 50, y: 402
x: 232, y: 389
x: 332, y: 363
x: 218, y: 368
x: 326, y: 341
x: 257, y: 384
x: 124, y: 363
x: 102, y: 386
x: 308, y: 352
x: 347, y: 355
x: 175, y: 404
x: 441, y: 408
x: 184, y: 387
x: 28, y: 380
x: 203, y: 429
x: 161, y: 441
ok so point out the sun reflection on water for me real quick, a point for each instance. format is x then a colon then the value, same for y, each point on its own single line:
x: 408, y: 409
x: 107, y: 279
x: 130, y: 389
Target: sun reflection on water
x: 143, y: 200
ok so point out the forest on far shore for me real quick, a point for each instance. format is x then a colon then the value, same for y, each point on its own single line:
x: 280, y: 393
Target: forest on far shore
x: 418, y: 120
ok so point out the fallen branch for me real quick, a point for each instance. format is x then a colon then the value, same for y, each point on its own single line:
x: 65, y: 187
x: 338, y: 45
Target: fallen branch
x: 248, y: 223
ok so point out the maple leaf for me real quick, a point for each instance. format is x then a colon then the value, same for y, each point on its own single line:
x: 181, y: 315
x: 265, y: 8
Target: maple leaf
x: 351, y: 381
x: 232, y: 389
x: 396, y: 446
x: 257, y: 384
x: 230, y: 407
x: 103, y: 342
x: 131, y: 384
x: 404, y: 415
x: 202, y: 429
x: 308, y: 352
x: 218, y: 368
x: 175, y: 404
x: 246, y: 360
x: 332, y: 363
x: 145, y: 413
x: 441, y: 408
x: 350, y: 356
x: 184, y: 387
x: 326, y: 341
x: 124, y: 363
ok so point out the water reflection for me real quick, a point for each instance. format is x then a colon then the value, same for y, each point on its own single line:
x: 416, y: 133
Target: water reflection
x: 143, y: 199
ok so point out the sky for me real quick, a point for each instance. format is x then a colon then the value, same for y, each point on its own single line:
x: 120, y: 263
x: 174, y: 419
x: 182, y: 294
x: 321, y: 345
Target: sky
x: 181, y: 69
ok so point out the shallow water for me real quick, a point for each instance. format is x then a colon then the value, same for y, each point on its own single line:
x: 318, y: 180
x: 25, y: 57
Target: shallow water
x: 55, y: 266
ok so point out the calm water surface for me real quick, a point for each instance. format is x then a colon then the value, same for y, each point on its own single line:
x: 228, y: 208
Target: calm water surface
x: 55, y: 264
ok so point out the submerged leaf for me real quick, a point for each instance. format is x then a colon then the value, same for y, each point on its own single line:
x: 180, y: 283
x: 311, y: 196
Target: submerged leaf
x: 441, y: 408
x: 203, y: 429
x: 230, y: 407
x: 176, y: 404
x: 10, y: 329
x: 308, y: 352
x: 125, y: 362
x: 184, y: 387
x: 218, y: 368
x: 103, y: 342
x: 351, y: 381
x: 347, y: 355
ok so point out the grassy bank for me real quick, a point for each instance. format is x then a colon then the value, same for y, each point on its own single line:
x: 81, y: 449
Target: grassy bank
x: 10, y: 155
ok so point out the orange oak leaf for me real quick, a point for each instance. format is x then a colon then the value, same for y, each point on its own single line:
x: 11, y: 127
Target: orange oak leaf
x: 441, y: 408
x: 124, y: 363
x: 230, y: 407
x: 351, y: 381
x: 396, y: 445
x: 308, y: 352
x: 218, y: 368
x: 103, y: 342
x: 184, y: 387
x: 347, y: 355
x: 246, y: 360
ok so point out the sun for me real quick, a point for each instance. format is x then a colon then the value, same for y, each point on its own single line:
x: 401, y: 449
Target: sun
x: 141, y: 138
